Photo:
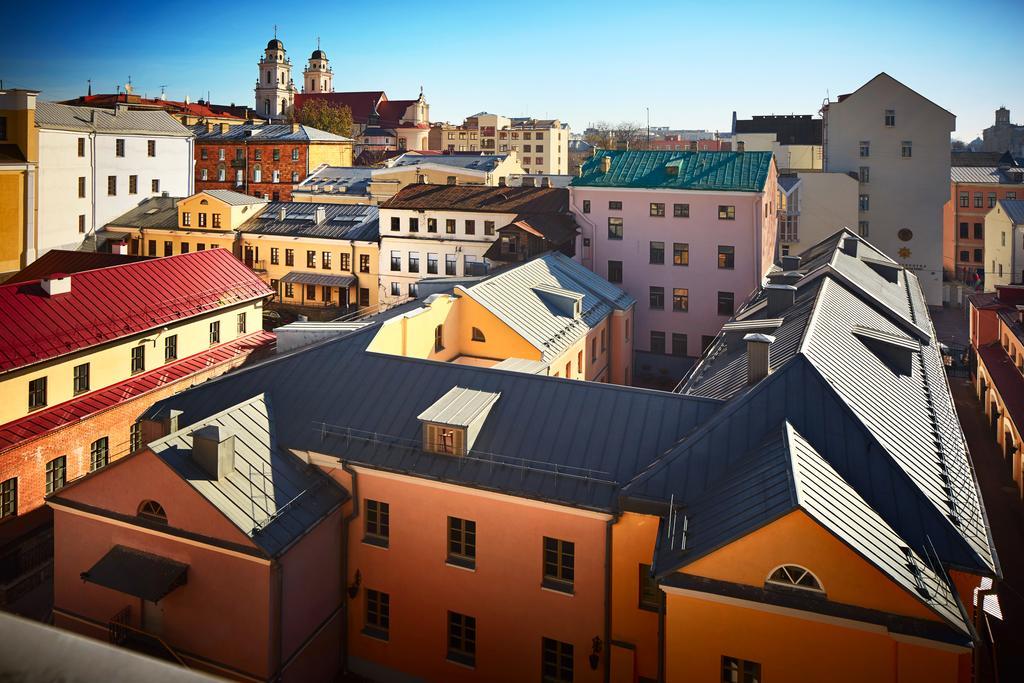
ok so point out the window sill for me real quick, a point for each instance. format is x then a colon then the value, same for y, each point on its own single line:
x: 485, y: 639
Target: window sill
x: 375, y: 633
x: 462, y: 660
x: 647, y: 608
x: 376, y: 541
x: 557, y: 587
x: 462, y: 563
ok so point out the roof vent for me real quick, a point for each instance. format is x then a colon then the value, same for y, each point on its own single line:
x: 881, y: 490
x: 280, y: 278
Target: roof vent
x: 780, y: 299
x: 888, y: 270
x: 295, y: 127
x: 319, y: 215
x: 736, y: 330
x: 895, y: 351
x: 791, y: 262
x: 606, y: 164
x: 209, y: 128
x: 281, y: 213
x: 566, y: 302
x: 452, y: 424
x: 740, y: 146
x: 213, y: 450
x: 58, y: 283
x: 758, y: 356
x: 1020, y: 314
x: 850, y: 245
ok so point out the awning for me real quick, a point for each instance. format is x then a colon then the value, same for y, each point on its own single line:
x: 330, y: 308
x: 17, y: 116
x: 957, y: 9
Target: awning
x: 318, y: 279
x: 134, y: 572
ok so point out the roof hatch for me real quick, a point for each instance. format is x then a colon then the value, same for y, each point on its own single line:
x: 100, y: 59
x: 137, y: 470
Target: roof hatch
x: 452, y: 423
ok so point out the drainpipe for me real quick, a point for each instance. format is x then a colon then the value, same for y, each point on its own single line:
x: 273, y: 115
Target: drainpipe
x: 979, y: 615
x: 608, y: 597
x: 95, y: 191
x: 276, y: 608
x: 345, y: 535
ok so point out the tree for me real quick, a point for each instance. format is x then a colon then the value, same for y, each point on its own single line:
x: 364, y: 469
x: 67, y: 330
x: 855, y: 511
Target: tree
x: 324, y: 115
x: 623, y: 135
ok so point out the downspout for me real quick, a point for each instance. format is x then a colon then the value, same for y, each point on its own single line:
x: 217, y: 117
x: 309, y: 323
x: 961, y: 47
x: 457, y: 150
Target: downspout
x: 345, y: 535
x: 661, y: 636
x: 608, y: 597
x: 95, y: 191
x: 979, y: 616
x: 276, y: 608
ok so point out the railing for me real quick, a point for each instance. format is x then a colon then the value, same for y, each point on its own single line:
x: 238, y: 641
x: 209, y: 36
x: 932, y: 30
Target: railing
x: 131, y: 638
x: 258, y: 266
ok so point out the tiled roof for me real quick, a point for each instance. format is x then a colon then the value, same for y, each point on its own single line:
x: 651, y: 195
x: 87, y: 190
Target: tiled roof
x: 362, y: 105
x: 356, y: 222
x: 723, y: 171
x: 978, y: 158
x: 55, y: 116
x: 1014, y: 209
x: 152, y: 212
x: 481, y: 198
x: 252, y: 133
x: 83, y: 407
x: 68, y: 261
x: 111, y: 303
x: 790, y: 129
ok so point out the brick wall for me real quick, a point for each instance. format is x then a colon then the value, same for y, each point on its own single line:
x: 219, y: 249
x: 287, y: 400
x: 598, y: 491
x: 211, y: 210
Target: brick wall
x: 286, y: 165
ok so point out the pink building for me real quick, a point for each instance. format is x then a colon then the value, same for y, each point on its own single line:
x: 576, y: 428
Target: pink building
x: 689, y: 234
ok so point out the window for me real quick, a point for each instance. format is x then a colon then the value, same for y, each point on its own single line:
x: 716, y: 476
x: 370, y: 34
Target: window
x: 657, y: 342
x: 449, y: 226
x: 311, y: 292
x: 991, y: 200
x: 414, y: 262
x: 650, y: 594
x: 138, y: 359
x: 37, y: 393
x: 112, y: 186
x: 593, y: 350
x: 795, y: 576
x: 310, y: 258
x: 726, y: 257
x: 289, y: 290
x: 171, y: 348
x: 325, y: 260
x: 220, y: 154
x: 56, y: 474
x: 740, y: 671
x: 9, y: 497
x: 726, y: 212
x: 865, y: 148
x: 80, y: 376
x: 678, y: 344
x: 377, y: 530
x: 215, y: 332
x: 906, y: 149
x: 462, y: 542
x: 204, y: 174
x: 462, y: 638
x: 378, y: 614
x: 241, y: 323
x: 99, y: 453
x: 556, y: 661
x: 864, y: 202
x: 396, y: 289
x: 977, y: 256
x: 275, y: 254
x: 169, y: 247
x: 615, y: 271
x: 862, y: 228
x: 257, y: 173
x: 559, y: 563
x: 119, y: 147
x: 979, y: 231
x: 151, y: 248
x: 614, y: 228
x: 965, y: 255
x: 890, y: 118
x: 681, y: 210
x: 603, y: 337
x: 364, y: 263
x: 151, y: 148
x: 680, y: 299
x: 586, y: 206
x: 470, y: 227
x: 134, y: 437
x: 133, y: 184
x: 449, y: 264
x: 488, y: 227
x: 478, y: 335
x: 965, y: 199
x: 657, y: 253
x: 726, y: 303
x: 216, y: 220
x: 81, y: 187
x: 186, y: 219
x: 657, y: 210
x: 439, y: 339
x: 657, y: 297
x: 964, y: 231
x: 615, y: 206
x: 152, y: 511
x: 431, y: 264
x: 978, y: 200
x: 680, y: 254
x: 81, y: 147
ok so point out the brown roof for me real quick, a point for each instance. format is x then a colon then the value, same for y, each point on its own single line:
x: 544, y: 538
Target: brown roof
x: 1008, y: 381
x: 555, y: 228
x: 68, y: 262
x: 481, y: 198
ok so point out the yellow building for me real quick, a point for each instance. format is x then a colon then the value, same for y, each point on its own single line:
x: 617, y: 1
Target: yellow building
x: 547, y: 316
x: 316, y: 255
x: 19, y: 155
x: 541, y: 145
x: 353, y: 185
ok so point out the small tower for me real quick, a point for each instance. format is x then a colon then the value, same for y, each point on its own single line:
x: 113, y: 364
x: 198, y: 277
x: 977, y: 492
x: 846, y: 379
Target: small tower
x: 1002, y: 116
x: 318, y: 76
x: 275, y: 91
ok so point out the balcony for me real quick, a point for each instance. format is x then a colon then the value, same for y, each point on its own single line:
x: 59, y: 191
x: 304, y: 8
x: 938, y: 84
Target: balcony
x: 256, y: 266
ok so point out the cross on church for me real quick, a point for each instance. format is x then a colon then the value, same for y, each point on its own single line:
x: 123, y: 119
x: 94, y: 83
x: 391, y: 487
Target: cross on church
x: 275, y: 31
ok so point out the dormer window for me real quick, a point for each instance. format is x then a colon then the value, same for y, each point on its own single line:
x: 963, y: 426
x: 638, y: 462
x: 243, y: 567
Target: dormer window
x: 795, y: 576
x: 153, y: 511
x: 452, y: 423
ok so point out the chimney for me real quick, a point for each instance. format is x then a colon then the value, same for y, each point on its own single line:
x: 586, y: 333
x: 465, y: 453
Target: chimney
x: 780, y: 298
x: 758, y: 356
x: 320, y: 215
x: 850, y: 245
x: 785, y: 277
x: 119, y: 248
x: 295, y: 127
x: 740, y: 145
x: 213, y: 450
x: 120, y: 108
x: 790, y: 262
x: 281, y: 214
x: 209, y: 127
x: 58, y: 283
x: 224, y: 128
x: 606, y: 164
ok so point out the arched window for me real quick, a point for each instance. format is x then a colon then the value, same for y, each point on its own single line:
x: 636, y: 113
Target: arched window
x: 478, y: 335
x: 221, y: 175
x: 203, y: 202
x: 795, y: 576
x: 266, y: 104
x: 153, y: 511
x: 284, y: 106
x: 439, y: 339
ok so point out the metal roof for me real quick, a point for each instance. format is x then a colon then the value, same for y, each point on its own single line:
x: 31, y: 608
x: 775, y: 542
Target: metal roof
x: 1014, y: 209
x: 982, y: 175
x: 723, y: 171
x: 69, y: 261
x: 483, y: 163
x: 51, y: 115
x: 324, y: 280
x: 337, y: 180
x: 138, y: 573
x: 530, y: 367
x: 356, y: 222
x: 482, y: 198
x: 460, y: 407
x: 270, y: 494
x: 234, y: 198
x: 152, y: 212
x: 255, y: 133
x: 119, y: 301
x: 789, y: 129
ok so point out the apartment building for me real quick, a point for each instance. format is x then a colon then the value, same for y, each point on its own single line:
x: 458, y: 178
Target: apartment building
x: 447, y: 230
x: 19, y: 156
x: 897, y: 142
x: 1004, y: 244
x: 638, y: 550
x: 264, y: 160
x: 690, y: 235
x: 186, y: 112
x: 973, y: 192
x: 96, y: 164
x: 542, y: 145
x: 547, y: 316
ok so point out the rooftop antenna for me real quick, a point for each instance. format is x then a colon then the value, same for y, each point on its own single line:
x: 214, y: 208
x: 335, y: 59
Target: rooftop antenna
x: 89, y: 81
x: 163, y: 93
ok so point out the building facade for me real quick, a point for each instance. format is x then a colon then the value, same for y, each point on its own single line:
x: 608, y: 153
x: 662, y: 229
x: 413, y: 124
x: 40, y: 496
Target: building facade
x: 542, y: 145
x: 188, y: 113
x: 1004, y: 136
x: 1004, y: 244
x: 19, y: 156
x: 897, y: 142
x: 689, y: 246
x: 96, y: 164
x: 275, y: 89
x: 379, y: 124
x: 264, y: 160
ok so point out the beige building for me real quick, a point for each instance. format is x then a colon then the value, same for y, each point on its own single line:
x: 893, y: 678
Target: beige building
x: 1004, y: 244
x: 812, y: 206
x: 542, y: 145
x: 897, y: 142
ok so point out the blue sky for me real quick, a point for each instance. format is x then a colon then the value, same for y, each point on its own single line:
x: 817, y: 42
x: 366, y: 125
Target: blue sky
x: 691, y: 63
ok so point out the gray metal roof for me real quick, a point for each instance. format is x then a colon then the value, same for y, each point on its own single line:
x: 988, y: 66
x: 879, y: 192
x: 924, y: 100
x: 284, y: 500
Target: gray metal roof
x: 356, y: 222
x: 981, y: 175
x: 271, y: 495
x: 512, y: 296
x: 235, y: 198
x: 1014, y: 209
x: 152, y: 212
x: 460, y: 407
x: 256, y: 133
x: 320, y: 279
x: 337, y: 180
x: 468, y: 162
x: 530, y: 367
x: 95, y: 120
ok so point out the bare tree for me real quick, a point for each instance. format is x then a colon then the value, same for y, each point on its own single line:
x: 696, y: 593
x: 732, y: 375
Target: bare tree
x: 623, y: 135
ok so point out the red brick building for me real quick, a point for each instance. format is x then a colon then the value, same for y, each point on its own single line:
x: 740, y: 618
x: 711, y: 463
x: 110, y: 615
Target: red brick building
x: 264, y: 160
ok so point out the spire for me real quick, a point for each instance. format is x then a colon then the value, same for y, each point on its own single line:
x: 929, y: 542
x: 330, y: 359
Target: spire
x: 318, y: 42
x: 275, y: 31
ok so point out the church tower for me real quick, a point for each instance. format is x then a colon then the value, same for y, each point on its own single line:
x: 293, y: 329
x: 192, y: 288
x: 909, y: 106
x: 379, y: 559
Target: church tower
x: 275, y: 91
x: 318, y: 76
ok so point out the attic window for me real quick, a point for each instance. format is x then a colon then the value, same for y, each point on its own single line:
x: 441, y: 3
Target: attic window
x: 895, y: 351
x: 795, y: 576
x: 153, y: 511
x: 478, y: 335
x: 452, y: 423
x: 444, y: 440
x: 203, y: 202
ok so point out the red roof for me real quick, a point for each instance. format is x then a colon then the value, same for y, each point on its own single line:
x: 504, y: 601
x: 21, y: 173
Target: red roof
x: 1007, y: 379
x: 67, y: 261
x: 110, y: 303
x: 83, y: 407
x: 171, y: 106
x: 361, y: 105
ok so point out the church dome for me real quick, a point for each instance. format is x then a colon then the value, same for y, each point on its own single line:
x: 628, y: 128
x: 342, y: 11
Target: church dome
x: 318, y: 54
x: 275, y: 44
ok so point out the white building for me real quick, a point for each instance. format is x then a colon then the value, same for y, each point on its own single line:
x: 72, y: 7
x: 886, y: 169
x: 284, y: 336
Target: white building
x: 97, y: 164
x: 897, y: 142
x: 275, y: 90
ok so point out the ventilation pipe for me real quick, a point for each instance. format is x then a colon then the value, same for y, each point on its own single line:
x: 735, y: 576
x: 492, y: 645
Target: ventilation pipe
x: 606, y: 164
x: 785, y: 277
x: 850, y: 245
x: 281, y: 213
x: 213, y: 450
x: 320, y: 215
x: 780, y: 299
x: 758, y: 356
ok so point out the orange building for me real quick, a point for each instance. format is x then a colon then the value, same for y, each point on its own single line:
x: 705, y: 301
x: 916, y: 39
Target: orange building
x: 770, y: 520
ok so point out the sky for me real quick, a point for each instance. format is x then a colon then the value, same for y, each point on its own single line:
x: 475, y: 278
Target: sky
x: 691, y: 64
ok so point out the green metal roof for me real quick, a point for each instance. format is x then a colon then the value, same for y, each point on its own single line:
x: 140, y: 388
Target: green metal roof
x: 724, y: 171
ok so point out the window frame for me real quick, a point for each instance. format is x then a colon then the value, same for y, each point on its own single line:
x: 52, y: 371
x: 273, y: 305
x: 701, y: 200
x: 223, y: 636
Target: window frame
x: 376, y: 523
x: 56, y: 471
x: 558, y: 565
x: 461, y: 542
x: 377, y: 614
x: 461, y: 639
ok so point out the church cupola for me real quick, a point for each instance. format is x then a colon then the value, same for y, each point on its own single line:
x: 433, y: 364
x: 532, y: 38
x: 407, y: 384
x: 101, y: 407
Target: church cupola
x: 275, y: 91
x: 318, y: 76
